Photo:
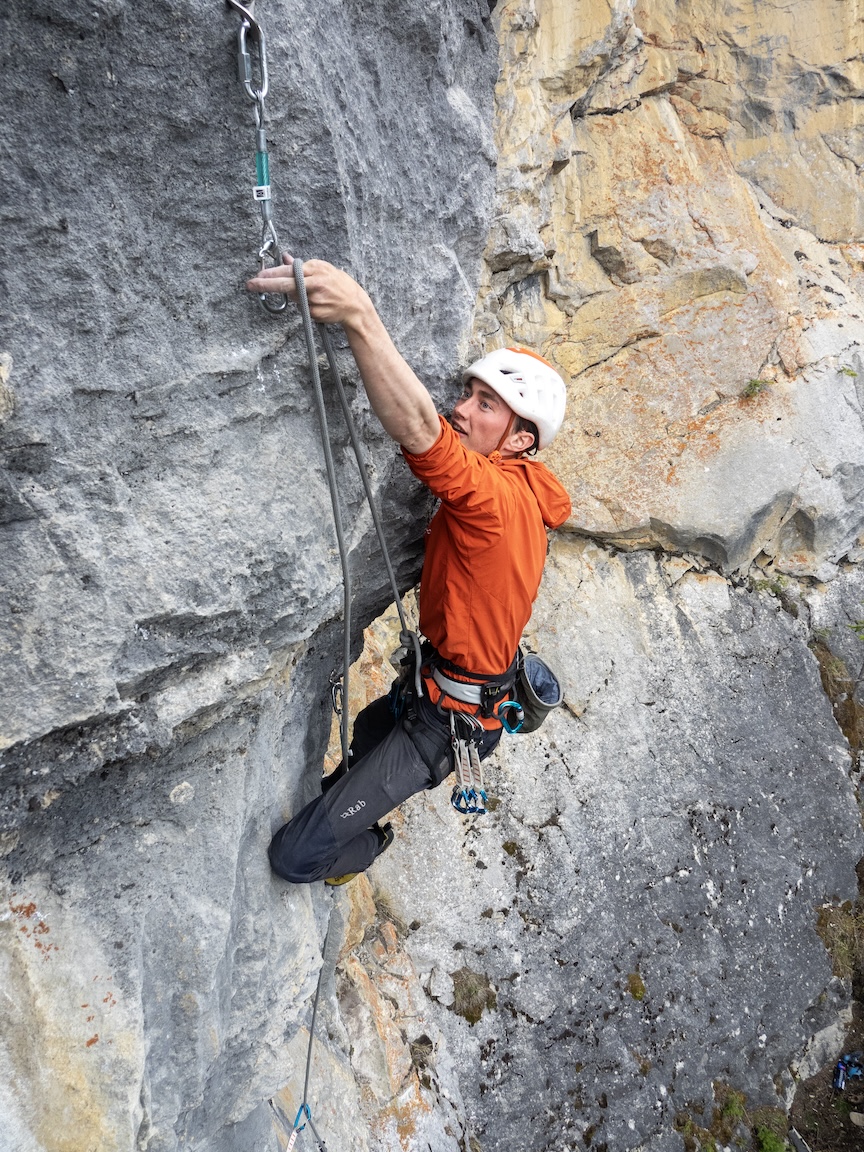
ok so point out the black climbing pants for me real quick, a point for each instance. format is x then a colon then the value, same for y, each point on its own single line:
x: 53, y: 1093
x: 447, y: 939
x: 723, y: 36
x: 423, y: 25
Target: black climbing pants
x: 391, y: 760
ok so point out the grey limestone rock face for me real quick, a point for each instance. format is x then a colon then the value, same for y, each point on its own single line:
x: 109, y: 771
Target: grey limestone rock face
x: 635, y: 923
x: 169, y: 580
x: 643, y: 900
x: 161, y: 464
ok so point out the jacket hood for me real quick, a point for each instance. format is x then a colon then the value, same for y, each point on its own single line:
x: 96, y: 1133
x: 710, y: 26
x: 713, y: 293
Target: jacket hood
x: 549, y: 492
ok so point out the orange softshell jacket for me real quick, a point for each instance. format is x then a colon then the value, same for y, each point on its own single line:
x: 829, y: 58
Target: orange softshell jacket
x: 485, y: 549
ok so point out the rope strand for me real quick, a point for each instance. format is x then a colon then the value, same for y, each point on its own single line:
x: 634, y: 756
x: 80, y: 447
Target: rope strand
x: 312, y: 354
x: 407, y: 634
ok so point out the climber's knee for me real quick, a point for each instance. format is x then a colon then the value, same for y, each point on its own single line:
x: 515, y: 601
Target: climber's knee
x: 304, y: 848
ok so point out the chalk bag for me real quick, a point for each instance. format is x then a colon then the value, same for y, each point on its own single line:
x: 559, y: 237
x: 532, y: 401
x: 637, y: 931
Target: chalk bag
x: 537, y: 690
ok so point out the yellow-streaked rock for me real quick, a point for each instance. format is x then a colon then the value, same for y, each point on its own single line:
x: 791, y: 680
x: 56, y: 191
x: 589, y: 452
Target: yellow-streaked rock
x: 672, y: 262
x: 69, y: 1034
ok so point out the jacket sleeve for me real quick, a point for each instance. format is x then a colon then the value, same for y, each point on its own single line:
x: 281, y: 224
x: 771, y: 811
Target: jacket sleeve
x: 470, y: 485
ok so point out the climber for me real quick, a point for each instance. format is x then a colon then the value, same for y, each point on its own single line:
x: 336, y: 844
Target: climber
x: 485, y: 551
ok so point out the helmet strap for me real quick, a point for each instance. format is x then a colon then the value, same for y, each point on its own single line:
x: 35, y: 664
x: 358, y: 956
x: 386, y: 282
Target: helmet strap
x: 507, y: 431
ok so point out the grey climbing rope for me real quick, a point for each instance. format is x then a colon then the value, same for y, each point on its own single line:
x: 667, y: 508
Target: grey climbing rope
x: 275, y: 304
x: 270, y: 250
x: 329, y: 958
x: 406, y: 636
x: 312, y: 355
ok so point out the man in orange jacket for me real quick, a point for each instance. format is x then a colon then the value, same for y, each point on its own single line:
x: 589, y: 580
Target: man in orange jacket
x: 485, y: 552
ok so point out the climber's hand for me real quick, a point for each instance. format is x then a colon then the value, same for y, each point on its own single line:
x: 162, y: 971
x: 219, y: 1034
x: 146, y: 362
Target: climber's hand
x: 398, y: 397
x: 334, y: 297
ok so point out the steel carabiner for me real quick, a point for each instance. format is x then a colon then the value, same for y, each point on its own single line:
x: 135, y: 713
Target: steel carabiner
x: 272, y: 302
x: 244, y: 59
x: 336, y: 690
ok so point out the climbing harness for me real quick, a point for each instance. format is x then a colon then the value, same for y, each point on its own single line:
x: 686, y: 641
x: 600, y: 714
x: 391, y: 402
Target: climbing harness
x: 274, y: 303
x: 270, y: 250
x: 521, y: 698
x: 491, y: 696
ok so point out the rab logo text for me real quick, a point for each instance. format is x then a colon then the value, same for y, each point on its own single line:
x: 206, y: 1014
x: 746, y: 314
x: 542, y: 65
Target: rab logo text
x: 353, y: 810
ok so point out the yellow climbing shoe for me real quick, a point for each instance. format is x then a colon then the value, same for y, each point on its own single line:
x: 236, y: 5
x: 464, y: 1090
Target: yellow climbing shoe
x: 334, y: 880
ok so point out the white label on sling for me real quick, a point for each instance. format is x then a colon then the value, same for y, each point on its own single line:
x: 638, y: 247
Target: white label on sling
x: 261, y: 192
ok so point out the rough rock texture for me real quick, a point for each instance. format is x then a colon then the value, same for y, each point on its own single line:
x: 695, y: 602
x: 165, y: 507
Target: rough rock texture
x: 171, y: 591
x: 657, y: 237
x: 634, y: 927
x: 642, y: 902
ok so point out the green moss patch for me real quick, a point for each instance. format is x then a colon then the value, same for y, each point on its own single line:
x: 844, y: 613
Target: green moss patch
x: 472, y: 994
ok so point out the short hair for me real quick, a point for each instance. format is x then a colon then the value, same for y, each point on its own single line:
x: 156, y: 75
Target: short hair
x: 523, y: 425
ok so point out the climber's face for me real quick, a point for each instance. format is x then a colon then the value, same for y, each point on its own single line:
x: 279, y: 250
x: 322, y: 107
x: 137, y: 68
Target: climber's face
x: 480, y: 417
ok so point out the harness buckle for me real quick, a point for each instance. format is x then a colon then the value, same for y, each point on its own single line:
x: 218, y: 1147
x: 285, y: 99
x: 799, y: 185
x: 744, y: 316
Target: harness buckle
x: 489, y: 694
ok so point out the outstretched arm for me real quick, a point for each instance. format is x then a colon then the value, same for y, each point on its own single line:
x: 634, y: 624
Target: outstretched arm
x: 399, y: 399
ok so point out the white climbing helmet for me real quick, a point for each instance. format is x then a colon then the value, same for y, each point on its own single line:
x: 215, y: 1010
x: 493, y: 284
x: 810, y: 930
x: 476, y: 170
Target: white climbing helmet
x: 527, y: 383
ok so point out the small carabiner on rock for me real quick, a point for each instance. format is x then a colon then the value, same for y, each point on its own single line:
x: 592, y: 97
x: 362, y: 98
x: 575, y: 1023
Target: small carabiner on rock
x: 336, y: 692
x: 244, y: 58
x: 272, y: 302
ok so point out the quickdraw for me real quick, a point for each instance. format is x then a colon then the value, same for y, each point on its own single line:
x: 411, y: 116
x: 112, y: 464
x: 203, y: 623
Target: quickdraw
x: 304, y: 1113
x: 270, y: 250
x: 303, y: 1110
x: 469, y: 794
x: 330, y: 955
x: 337, y: 692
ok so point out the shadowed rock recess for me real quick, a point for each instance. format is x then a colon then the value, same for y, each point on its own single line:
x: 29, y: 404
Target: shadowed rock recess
x: 623, y: 954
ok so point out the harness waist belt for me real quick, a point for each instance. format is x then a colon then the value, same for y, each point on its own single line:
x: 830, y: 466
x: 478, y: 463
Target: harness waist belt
x: 457, y: 689
x: 468, y: 693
